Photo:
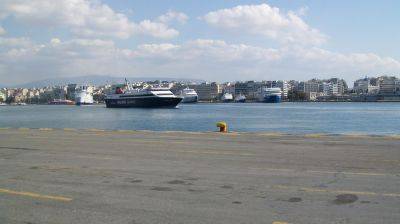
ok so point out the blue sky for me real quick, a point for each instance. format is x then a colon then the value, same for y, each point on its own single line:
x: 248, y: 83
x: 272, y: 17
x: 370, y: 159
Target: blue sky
x: 353, y: 26
x: 216, y: 41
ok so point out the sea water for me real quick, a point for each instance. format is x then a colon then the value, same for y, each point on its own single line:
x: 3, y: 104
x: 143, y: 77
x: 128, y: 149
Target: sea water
x: 291, y: 118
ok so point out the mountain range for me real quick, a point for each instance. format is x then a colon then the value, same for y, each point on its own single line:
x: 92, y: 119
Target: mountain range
x: 97, y: 80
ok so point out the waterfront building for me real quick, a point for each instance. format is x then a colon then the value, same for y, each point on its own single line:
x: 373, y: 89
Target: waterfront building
x: 397, y: 87
x: 339, y: 86
x: 313, y: 85
x: 248, y: 89
x: 229, y: 88
x: 24, y: 91
x: 3, y: 97
x: 71, y: 90
x: 284, y: 87
x: 207, y: 91
x: 365, y: 86
x: 330, y: 89
x: 60, y: 92
x: 387, y: 85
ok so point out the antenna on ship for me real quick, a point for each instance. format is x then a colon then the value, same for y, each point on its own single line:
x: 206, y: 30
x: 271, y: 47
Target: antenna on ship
x: 127, y: 84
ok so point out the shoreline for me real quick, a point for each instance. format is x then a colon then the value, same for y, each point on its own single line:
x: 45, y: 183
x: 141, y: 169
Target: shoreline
x: 230, y: 133
x: 220, y: 102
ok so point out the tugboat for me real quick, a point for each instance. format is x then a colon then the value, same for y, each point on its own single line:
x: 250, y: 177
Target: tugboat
x: 188, y: 95
x: 145, y: 97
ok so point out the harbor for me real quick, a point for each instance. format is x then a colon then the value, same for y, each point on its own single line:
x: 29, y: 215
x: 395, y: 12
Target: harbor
x: 287, y: 117
x: 123, y: 176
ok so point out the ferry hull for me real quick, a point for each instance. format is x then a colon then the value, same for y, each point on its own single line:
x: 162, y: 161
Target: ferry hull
x: 272, y: 99
x: 190, y: 99
x: 82, y: 103
x: 240, y: 101
x: 148, y: 102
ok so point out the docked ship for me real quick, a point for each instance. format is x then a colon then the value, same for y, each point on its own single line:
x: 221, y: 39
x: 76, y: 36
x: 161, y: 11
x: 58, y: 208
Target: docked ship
x: 83, y: 96
x: 270, y: 95
x: 188, y: 95
x: 61, y: 102
x: 227, y: 97
x: 144, y: 97
x: 240, y: 98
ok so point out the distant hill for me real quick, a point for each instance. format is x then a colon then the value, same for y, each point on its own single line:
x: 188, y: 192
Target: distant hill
x: 98, y: 80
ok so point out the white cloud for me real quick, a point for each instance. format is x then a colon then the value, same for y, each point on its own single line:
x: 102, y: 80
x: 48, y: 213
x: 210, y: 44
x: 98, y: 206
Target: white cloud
x: 155, y: 29
x: 14, y: 42
x: 302, y: 11
x: 172, y: 16
x: 202, y: 58
x: 2, y: 31
x: 84, y: 18
x: 266, y: 21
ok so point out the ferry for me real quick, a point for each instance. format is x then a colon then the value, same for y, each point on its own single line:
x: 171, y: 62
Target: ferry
x: 227, y: 97
x: 270, y: 95
x: 83, y: 96
x: 151, y: 97
x: 188, y: 95
x: 240, y: 98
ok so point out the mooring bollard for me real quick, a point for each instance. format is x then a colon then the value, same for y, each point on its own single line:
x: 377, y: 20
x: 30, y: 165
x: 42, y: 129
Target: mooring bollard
x: 223, y: 127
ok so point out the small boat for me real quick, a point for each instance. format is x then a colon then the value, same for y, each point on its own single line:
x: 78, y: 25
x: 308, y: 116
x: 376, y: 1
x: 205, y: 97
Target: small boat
x: 188, y: 95
x: 227, y: 97
x: 240, y: 98
x: 61, y: 102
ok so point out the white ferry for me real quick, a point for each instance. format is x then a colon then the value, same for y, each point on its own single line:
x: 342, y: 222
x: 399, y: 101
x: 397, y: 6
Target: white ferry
x: 240, y: 98
x: 188, y: 95
x: 145, y: 97
x: 227, y: 97
x: 84, y: 96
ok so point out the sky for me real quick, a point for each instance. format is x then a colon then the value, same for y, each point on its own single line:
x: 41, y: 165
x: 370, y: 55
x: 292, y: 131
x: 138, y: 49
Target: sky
x: 210, y: 40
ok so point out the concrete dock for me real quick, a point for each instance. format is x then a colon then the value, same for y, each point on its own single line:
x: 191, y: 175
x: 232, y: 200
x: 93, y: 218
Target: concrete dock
x: 95, y: 176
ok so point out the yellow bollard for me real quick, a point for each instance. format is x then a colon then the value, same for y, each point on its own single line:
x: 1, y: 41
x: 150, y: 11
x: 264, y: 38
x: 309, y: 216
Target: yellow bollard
x: 223, y: 127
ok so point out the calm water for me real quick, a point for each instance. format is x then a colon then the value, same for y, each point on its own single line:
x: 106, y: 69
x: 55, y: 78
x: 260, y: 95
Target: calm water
x: 335, y: 118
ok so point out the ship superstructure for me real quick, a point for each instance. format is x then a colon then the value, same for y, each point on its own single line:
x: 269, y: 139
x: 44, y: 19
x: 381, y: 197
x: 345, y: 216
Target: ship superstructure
x: 84, y: 95
x: 270, y: 95
x: 188, y: 95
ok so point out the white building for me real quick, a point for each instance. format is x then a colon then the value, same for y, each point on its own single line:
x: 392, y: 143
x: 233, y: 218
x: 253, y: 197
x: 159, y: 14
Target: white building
x: 365, y: 86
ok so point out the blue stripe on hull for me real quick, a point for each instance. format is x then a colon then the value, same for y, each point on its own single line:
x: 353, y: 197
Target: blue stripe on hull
x: 272, y: 99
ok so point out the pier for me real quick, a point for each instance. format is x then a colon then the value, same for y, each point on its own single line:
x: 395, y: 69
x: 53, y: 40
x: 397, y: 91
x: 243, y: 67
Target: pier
x: 101, y: 176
